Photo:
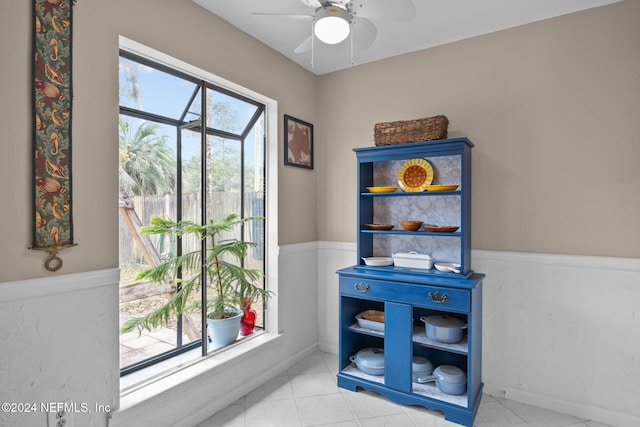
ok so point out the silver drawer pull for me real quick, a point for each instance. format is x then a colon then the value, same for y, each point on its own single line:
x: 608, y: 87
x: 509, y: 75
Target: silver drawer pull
x: 438, y: 298
x: 362, y: 287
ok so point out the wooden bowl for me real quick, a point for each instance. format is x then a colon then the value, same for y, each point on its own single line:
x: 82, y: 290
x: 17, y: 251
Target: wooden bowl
x: 411, y: 225
x: 379, y: 226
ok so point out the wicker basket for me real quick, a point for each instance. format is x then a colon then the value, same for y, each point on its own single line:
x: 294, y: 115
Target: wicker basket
x: 426, y: 129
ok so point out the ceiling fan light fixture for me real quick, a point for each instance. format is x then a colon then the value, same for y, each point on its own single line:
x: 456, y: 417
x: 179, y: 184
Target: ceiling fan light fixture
x: 332, y: 25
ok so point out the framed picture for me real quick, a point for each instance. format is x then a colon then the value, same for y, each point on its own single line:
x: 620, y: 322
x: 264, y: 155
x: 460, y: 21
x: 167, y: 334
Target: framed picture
x: 298, y: 143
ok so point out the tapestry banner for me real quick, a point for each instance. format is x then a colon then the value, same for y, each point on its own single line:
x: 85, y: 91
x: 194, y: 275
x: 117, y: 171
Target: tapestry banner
x: 52, y: 101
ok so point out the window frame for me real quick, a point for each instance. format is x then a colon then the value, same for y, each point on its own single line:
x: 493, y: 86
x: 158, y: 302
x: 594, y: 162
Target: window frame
x: 151, y: 57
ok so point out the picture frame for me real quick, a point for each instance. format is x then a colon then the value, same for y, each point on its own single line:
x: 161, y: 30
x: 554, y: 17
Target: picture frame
x: 298, y: 143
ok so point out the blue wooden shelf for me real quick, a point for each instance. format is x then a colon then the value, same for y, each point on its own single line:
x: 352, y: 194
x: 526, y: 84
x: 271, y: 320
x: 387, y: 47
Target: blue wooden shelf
x: 407, y: 294
x: 415, y: 194
x: 457, y: 234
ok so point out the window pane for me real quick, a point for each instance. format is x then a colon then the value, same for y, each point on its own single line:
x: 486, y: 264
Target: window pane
x: 191, y: 202
x: 147, y: 153
x: 223, y: 181
x: 148, y: 89
x: 193, y: 109
x: 191, y: 175
x: 227, y: 113
x: 254, y: 173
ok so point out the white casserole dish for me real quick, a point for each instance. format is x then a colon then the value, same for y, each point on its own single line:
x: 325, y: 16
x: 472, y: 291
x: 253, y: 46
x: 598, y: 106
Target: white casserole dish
x: 413, y: 260
x: 371, y: 319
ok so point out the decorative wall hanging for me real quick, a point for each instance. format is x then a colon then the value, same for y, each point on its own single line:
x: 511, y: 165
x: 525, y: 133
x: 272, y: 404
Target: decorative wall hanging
x: 52, y: 99
x: 298, y: 143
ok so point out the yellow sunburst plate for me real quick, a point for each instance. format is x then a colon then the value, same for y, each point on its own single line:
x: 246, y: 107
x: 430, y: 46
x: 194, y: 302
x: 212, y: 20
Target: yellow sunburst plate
x: 414, y: 175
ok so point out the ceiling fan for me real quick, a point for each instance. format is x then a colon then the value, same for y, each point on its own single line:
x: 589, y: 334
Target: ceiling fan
x: 332, y: 21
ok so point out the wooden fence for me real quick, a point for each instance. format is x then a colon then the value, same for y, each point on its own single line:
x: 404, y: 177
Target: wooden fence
x: 220, y: 204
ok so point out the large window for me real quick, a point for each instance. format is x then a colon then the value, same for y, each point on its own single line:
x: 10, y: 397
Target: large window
x: 188, y: 150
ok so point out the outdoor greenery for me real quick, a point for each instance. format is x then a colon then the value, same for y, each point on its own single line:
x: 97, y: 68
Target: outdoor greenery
x: 228, y: 282
x: 146, y: 165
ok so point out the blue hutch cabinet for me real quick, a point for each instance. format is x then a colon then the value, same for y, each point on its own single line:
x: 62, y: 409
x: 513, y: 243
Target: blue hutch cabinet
x: 406, y: 294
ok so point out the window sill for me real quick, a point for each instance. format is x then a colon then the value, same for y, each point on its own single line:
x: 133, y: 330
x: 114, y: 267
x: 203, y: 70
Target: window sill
x: 149, y: 374
x: 145, y: 392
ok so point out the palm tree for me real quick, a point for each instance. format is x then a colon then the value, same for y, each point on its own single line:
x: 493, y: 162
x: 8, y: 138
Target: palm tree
x: 147, y: 166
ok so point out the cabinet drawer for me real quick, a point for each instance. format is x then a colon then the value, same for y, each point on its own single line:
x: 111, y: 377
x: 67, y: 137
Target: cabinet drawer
x: 436, y: 297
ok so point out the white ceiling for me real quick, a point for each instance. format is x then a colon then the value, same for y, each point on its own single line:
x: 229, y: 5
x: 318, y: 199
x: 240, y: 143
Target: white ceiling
x: 436, y: 22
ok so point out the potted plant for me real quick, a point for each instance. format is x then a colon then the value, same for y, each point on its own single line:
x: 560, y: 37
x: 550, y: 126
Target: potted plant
x: 230, y: 286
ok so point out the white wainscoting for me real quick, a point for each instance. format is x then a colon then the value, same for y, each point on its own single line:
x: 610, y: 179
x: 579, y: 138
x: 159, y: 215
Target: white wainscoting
x: 60, y: 341
x: 332, y: 256
x: 560, y: 331
x: 563, y: 332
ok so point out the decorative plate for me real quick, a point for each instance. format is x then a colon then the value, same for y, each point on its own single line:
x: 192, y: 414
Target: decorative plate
x: 382, y: 189
x: 441, y: 228
x: 442, y: 187
x: 378, y: 261
x: 414, y: 175
x: 379, y: 226
x: 449, y: 267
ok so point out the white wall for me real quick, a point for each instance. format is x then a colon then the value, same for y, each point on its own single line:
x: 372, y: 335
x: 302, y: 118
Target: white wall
x: 559, y: 331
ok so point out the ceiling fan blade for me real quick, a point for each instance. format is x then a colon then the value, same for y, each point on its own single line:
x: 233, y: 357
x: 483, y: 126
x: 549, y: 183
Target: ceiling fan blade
x: 284, y: 15
x: 312, y: 3
x: 364, y: 33
x: 397, y: 10
x: 304, y: 46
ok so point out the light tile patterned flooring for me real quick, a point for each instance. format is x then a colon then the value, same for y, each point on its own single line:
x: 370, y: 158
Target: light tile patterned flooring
x: 307, y: 395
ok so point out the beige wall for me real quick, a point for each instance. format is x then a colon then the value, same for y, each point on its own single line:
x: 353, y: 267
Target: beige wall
x: 553, y: 108
x: 178, y: 28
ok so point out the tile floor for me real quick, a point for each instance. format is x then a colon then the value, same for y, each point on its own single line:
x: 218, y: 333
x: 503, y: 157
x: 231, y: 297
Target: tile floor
x: 307, y: 395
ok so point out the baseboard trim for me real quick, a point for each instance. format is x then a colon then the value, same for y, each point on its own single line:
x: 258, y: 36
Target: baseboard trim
x: 327, y: 347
